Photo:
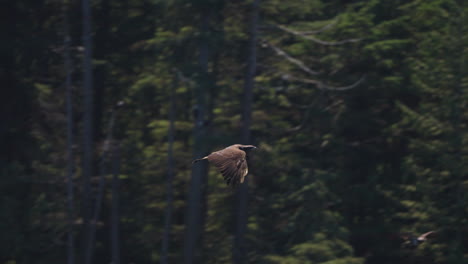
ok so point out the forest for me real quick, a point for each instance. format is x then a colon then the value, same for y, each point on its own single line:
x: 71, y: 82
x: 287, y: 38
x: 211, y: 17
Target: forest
x: 358, y: 110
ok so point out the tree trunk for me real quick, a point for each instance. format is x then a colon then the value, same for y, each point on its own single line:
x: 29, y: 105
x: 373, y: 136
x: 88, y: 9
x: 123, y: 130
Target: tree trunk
x: 101, y: 50
x: 199, y: 171
x: 101, y: 187
x: 115, y: 219
x: 239, y: 249
x: 170, y: 177
x: 88, y: 123
x: 457, y: 110
x: 70, y: 136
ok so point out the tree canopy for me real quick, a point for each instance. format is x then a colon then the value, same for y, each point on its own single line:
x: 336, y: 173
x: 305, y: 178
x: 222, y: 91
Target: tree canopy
x: 358, y: 110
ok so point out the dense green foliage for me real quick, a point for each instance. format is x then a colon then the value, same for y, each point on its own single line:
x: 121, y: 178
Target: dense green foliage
x: 342, y: 170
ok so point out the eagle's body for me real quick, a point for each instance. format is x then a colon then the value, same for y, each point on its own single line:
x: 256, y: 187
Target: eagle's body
x: 231, y: 162
x: 412, y: 241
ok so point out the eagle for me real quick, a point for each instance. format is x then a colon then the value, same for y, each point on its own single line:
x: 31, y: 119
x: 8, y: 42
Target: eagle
x: 230, y: 162
x: 412, y: 241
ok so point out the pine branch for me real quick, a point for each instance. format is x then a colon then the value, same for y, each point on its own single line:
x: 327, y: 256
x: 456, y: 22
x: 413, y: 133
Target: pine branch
x: 314, y: 39
x: 320, y: 30
x: 322, y: 86
x: 291, y: 59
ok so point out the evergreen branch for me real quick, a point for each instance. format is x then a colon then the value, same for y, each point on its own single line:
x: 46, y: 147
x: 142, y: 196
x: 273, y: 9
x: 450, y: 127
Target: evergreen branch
x: 314, y: 39
x: 291, y: 59
x: 320, y: 30
x: 322, y: 86
x: 182, y: 77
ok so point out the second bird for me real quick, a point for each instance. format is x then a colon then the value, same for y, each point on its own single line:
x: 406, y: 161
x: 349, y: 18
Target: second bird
x: 231, y: 162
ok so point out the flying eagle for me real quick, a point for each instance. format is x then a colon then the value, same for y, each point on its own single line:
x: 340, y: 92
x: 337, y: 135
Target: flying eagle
x: 412, y: 241
x: 231, y: 163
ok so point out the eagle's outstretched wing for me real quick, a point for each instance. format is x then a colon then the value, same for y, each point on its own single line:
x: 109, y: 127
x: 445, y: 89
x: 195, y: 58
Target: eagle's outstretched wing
x: 231, y: 163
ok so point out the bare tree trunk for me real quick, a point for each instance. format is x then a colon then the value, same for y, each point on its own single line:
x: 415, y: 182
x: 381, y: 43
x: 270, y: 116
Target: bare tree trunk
x: 458, y: 103
x: 239, y: 250
x: 88, y: 123
x: 70, y: 136
x: 114, y: 223
x: 170, y: 177
x: 199, y: 171
x: 102, y: 48
x: 101, y: 188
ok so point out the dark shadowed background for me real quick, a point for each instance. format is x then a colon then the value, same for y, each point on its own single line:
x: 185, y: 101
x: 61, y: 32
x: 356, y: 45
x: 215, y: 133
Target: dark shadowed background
x: 358, y: 110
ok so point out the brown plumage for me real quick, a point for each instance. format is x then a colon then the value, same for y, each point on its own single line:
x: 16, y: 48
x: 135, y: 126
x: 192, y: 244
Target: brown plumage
x: 230, y: 162
x: 412, y: 242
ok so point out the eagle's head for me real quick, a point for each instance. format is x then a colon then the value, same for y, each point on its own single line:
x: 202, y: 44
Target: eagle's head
x: 245, y: 147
